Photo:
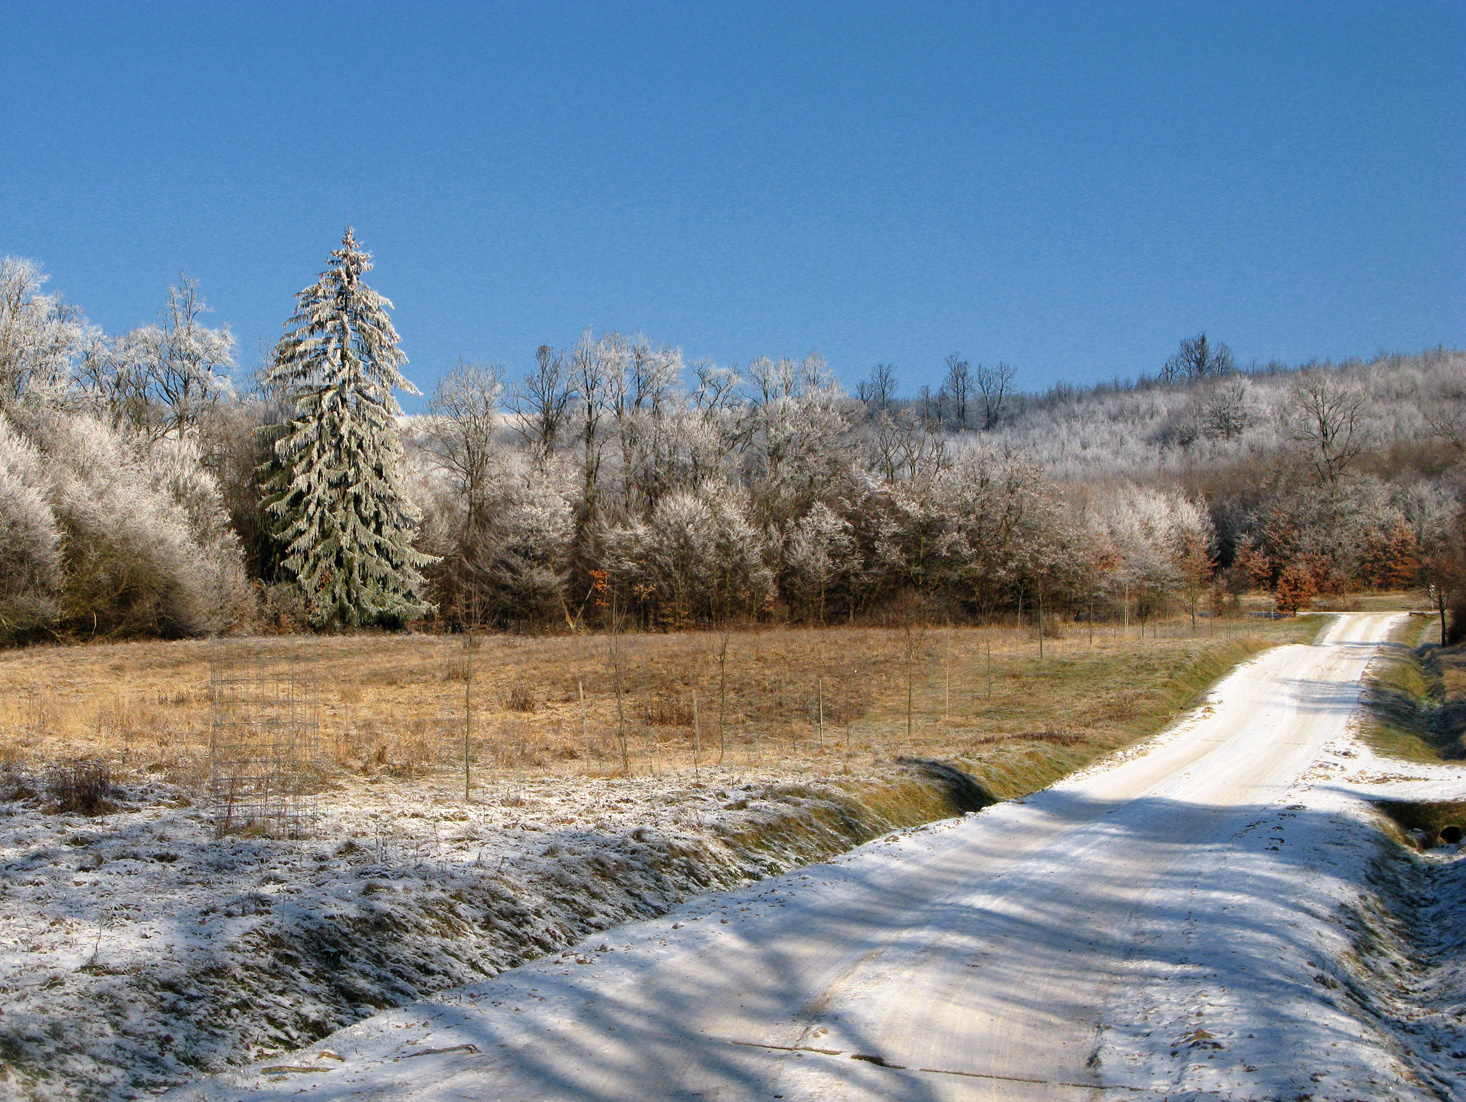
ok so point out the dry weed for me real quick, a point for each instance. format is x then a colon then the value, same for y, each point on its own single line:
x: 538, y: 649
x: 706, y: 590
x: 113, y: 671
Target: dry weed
x: 521, y: 698
x: 81, y: 788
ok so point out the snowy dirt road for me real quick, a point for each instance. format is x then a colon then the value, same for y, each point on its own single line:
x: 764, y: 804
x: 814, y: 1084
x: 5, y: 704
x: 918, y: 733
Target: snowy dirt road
x: 1151, y: 928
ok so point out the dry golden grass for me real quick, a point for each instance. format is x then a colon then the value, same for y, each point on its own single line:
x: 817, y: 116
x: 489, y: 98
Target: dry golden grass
x: 394, y: 705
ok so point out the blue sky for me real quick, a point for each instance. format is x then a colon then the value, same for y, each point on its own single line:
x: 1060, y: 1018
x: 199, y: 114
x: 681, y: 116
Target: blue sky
x: 1071, y: 188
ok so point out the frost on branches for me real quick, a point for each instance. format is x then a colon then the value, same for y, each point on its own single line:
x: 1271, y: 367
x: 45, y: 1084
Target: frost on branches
x: 338, y: 499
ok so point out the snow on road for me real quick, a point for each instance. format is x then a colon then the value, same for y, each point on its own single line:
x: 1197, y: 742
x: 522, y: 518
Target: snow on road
x: 1165, y: 926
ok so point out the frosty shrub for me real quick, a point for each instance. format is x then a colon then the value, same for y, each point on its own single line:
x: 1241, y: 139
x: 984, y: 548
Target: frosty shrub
x: 176, y: 472
x: 30, y: 542
x: 696, y: 560
x: 145, y: 547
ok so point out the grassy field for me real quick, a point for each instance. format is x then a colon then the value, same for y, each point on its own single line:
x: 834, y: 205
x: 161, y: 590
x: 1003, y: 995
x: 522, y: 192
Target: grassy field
x: 812, y: 700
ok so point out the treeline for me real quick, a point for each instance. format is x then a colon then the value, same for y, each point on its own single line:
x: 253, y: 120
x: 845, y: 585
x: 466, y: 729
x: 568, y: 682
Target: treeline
x: 612, y: 482
x: 111, y: 523
x: 1347, y: 473
x: 769, y: 492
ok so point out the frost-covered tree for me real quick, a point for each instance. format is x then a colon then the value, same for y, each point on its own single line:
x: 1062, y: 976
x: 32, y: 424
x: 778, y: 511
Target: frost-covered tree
x: 510, y: 566
x: 795, y: 426
x: 339, y: 498
x: 160, y: 380
x: 819, y: 557
x: 696, y: 559
x: 462, y: 422
x: 644, y: 385
x: 39, y: 335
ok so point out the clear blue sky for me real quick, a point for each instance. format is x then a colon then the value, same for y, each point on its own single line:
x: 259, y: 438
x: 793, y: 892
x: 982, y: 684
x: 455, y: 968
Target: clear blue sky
x: 1069, y: 187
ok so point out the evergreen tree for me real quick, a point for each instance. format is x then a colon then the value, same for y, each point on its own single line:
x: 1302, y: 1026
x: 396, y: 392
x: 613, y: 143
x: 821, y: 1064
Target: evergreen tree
x: 338, y: 502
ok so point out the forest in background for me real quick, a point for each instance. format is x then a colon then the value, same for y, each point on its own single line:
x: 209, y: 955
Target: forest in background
x: 613, y: 484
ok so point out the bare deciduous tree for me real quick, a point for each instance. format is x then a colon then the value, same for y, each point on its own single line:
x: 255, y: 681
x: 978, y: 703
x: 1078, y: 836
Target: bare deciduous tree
x: 993, y: 385
x: 958, y: 385
x: 1198, y: 358
x: 878, y: 389
x: 1327, y: 416
x: 540, y: 404
x: 462, y: 418
x: 902, y: 448
x: 1446, y: 416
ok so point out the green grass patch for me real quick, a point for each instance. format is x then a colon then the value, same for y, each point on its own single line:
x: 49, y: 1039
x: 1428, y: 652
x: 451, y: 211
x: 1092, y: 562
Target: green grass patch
x: 1415, y: 698
x: 1417, y: 630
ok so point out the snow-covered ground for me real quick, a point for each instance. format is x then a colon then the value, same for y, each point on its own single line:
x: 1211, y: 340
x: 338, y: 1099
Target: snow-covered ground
x: 1218, y: 917
x: 1215, y: 915
x: 1311, y: 957
x: 136, y: 949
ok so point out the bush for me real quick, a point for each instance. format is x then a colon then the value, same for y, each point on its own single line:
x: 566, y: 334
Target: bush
x: 81, y: 787
x: 30, y: 553
x: 143, y: 542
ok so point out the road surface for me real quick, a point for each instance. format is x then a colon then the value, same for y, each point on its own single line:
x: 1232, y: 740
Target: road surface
x: 981, y: 958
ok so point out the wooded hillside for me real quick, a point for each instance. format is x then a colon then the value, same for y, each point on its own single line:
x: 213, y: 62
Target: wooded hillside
x: 611, y: 483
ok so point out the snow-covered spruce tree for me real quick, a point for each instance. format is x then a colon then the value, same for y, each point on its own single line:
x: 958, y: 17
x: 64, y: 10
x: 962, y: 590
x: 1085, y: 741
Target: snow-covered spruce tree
x: 338, y: 499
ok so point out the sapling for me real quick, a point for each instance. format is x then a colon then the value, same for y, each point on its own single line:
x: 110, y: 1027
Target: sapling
x: 467, y: 715
x: 821, y: 698
x: 722, y: 694
x: 696, y: 734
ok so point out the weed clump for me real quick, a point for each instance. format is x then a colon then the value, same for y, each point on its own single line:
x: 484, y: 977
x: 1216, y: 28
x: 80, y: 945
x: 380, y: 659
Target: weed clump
x: 84, y: 787
x: 521, y: 699
x: 16, y: 784
x: 667, y: 712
